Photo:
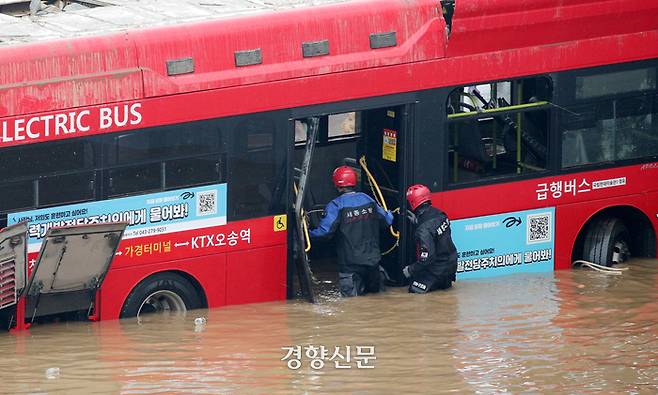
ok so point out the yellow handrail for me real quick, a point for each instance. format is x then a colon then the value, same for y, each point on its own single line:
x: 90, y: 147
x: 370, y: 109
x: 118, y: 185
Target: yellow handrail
x: 378, y: 195
x: 499, y: 109
x: 307, y: 237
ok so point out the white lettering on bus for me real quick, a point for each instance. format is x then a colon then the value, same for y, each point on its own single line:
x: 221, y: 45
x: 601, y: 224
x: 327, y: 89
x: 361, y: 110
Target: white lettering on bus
x: 118, y: 116
x: 106, y: 118
x: 28, y: 128
x: 60, y: 124
x: 78, y: 121
x: 46, y: 122
x: 137, y: 116
x: 72, y: 117
x: 18, y: 128
x: 71, y: 122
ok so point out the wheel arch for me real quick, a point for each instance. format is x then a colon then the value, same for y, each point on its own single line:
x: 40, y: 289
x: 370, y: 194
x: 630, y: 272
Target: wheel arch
x: 187, y: 276
x: 643, y: 234
x: 197, y: 286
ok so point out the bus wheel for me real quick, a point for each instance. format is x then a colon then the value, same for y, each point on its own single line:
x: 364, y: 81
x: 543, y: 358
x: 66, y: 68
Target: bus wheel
x: 161, y: 292
x: 607, y: 242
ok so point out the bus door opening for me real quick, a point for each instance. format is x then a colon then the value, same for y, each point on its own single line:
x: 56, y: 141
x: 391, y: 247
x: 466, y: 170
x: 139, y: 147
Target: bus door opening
x: 382, y: 157
x: 371, y: 142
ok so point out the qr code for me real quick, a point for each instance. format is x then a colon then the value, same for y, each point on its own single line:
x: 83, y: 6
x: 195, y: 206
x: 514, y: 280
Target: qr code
x: 206, y: 203
x: 538, y: 228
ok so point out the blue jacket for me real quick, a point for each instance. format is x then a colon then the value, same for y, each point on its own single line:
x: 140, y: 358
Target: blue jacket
x: 355, y: 218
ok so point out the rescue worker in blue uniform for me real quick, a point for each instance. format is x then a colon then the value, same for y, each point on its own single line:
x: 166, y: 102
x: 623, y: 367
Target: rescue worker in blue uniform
x: 355, y: 219
x: 436, y: 256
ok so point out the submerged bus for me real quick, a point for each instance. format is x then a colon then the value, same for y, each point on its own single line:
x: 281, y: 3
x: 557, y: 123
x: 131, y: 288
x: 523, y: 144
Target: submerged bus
x: 535, y: 125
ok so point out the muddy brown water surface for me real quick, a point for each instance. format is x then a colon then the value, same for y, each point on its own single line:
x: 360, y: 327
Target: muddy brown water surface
x: 564, y: 332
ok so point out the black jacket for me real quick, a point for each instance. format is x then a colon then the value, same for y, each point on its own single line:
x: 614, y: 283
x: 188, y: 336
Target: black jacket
x: 435, y: 250
x: 356, y: 220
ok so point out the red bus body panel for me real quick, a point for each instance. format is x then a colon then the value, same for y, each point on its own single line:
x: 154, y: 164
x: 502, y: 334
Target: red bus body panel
x: 243, y: 273
x: 489, y: 40
x: 572, y: 210
x: 494, y: 25
x: 419, y: 33
x: 81, y: 72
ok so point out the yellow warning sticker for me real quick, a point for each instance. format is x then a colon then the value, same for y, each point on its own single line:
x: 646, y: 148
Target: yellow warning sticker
x: 280, y: 223
x: 389, y: 145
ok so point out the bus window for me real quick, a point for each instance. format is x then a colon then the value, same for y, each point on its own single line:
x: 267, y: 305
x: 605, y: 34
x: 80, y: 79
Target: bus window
x: 607, y: 84
x: 610, y: 130
x: 342, y: 125
x: 300, y: 131
x: 194, y: 171
x: 134, y: 179
x: 31, y: 161
x: 498, y: 129
x: 255, y: 167
x: 16, y: 195
x: 165, y: 157
x: 332, y: 127
x: 60, y: 171
x: 66, y: 188
x: 162, y: 143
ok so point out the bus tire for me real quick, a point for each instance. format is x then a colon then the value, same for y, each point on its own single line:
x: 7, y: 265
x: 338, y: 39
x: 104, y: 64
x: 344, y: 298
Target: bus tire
x: 161, y: 292
x: 607, y: 242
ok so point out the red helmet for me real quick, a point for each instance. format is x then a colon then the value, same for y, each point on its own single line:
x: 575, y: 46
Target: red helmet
x: 344, y: 176
x: 418, y: 194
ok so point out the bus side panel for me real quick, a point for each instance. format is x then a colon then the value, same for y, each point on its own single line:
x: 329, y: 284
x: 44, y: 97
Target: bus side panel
x: 534, y: 193
x: 592, y: 192
x: 256, y: 275
x: 571, y: 218
x: 652, y: 209
x: 209, y: 271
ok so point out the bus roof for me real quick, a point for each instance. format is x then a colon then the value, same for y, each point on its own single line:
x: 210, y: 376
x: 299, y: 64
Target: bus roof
x: 140, y: 49
x: 94, y: 17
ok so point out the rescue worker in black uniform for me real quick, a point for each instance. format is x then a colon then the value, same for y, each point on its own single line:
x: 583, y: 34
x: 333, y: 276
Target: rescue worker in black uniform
x: 355, y: 218
x: 436, y: 255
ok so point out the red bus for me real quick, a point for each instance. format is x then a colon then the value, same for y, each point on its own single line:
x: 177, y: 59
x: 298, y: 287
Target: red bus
x: 533, y: 123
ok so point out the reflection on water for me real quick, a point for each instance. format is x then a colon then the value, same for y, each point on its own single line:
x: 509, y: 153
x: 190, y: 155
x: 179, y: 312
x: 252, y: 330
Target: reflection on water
x: 565, y: 332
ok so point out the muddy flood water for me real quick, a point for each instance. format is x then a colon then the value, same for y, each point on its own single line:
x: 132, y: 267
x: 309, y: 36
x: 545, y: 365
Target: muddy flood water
x: 566, y: 332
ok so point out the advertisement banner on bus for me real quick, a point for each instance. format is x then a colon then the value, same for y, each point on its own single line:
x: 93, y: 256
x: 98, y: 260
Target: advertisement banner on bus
x: 146, y: 215
x: 515, y: 242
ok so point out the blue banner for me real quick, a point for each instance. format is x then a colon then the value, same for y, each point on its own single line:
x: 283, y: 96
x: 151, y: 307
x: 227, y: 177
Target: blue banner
x: 146, y: 215
x: 516, y: 242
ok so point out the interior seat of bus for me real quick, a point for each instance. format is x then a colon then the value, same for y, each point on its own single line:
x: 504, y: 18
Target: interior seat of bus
x: 498, y: 129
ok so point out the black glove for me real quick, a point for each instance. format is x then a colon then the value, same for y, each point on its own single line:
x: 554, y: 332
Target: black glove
x: 412, y: 217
